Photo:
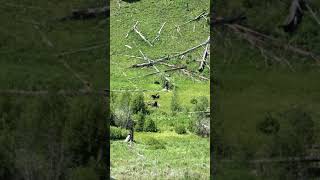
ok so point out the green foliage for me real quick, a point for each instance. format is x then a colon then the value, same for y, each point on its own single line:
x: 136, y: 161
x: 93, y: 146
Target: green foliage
x: 175, y: 103
x: 269, y: 125
x: 200, y: 120
x: 193, y: 101
x: 202, y: 104
x: 150, y: 126
x: 138, y: 104
x: 296, y: 132
x: 84, y: 173
x: 140, y: 119
x: 180, y: 129
x: 154, y: 143
x: 47, y: 129
x: 117, y: 133
x: 153, y: 15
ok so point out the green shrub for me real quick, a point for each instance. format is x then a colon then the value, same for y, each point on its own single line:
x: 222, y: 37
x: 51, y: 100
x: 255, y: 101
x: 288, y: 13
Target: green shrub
x: 150, y: 126
x: 154, y: 143
x: 269, y: 125
x: 193, y: 101
x: 140, y: 119
x: 175, y: 103
x: 84, y: 173
x: 138, y: 104
x: 180, y: 129
x: 117, y: 133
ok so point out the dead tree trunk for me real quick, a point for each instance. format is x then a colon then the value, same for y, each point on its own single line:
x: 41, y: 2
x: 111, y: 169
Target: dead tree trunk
x: 295, y: 16
x: 80, y: 14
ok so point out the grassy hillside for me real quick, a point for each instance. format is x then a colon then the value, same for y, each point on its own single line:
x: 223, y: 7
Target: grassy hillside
x: 248, y: 90
x: 168, y: 160
x: 33, y: 37
x: 45, y: 134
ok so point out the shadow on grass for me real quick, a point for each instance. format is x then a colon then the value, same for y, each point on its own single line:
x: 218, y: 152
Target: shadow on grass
x: 130, y: 1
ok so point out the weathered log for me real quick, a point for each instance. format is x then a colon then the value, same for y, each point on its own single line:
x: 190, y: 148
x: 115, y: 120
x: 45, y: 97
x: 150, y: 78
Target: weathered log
x: 203, y: 61
x: 312, y: 13
x: 187, y: 72
x: 13, y: 92
x: 162, y: 59
x: 263, y: 39
x: 201, y: 15
x: 227, y: 20
x: 81, y: 14
x: 295, y: 15
x: 154, y: 73
x: 135, y: 29
x: 159, y: 33
x: 167, y: 83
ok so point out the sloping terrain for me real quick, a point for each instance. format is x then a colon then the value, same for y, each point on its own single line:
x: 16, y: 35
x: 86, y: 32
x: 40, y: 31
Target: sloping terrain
x: 47, y: 131
x: 178, y: 156
x: 263, y: 85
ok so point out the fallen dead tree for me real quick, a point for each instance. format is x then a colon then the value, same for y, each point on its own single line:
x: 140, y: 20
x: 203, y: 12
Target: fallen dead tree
x: 187, y: 72
x: 295, y: 15
x: 169, y: 57
x: 135, y: 29
x: 205, y: 56
x: 167, y: 84
x: 262, y: 40
x: 81, y: 14
x: 154, y: 73
x: 159, y: 33
x: 203, y: 14
x: 46, y: 92
x: 228, y: 20
x: 180, y: 56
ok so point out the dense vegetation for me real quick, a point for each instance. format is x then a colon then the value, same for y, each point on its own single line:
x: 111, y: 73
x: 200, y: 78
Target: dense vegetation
x: 162, y: 137
x: 47, y: 131
x: 265, y: 109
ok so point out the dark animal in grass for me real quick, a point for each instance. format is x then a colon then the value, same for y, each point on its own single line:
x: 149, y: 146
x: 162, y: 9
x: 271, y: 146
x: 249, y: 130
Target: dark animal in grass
x: 156, y: 82
x: 153, y: 104
x: 155, y: 96
x: 166, y: 85
x: 295, y: 16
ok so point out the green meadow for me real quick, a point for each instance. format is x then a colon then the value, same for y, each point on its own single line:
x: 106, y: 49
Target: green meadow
x: 164, y: 154
x: 45, y: 133
x: 253, y: 90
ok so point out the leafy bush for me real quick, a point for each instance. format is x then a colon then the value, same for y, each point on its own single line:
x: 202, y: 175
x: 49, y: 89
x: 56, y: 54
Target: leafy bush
x: 175, y: 104
x: 269, y: 125
x: 180, y: 129
x: 194, y: 101
x: 150, y: 126
x: 154, y: 143
x: 117, y: 133
x: 140, y: 119
x: 138, y: 104
x: 84, y: 173
x: 200, y: 123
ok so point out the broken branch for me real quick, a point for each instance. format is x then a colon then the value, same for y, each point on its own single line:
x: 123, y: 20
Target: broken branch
x: 172, y: 56
x: 203, y: 61
x: 159, y: 32
x: 134, y: 28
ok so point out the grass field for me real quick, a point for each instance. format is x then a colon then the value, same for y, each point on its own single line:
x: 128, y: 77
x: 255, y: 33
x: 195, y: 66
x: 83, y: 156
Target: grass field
x: 33, y: 37
x: 179, y: 156
x: 182, y: 157
x: 247, y: 90
x: 35, y: 127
